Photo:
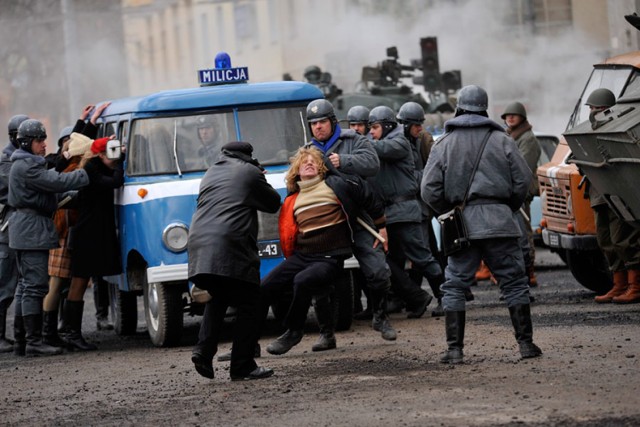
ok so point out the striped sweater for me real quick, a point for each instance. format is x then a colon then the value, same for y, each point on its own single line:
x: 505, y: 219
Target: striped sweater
x: 322, y: 224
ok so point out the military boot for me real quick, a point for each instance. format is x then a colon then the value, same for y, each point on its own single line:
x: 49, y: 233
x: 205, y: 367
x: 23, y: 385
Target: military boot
x: 521, y: 320
x: 73, y: 318
x: 19, y: 343
x: 50, y: 329
x: 632, y: 294
x: 101, y: 301
x: 33, y: 337
x: 324, y: 314
x: 620, y: 285
x: 285, y: 342
x: 380, y: 320
x: 454, y: 327
x: 6, y: 346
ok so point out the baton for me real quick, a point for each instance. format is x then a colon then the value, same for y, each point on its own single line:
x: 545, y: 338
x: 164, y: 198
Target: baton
x: 371, y: 230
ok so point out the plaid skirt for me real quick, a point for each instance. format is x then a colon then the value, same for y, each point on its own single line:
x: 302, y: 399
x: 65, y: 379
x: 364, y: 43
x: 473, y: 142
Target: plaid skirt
x: 60, y: 261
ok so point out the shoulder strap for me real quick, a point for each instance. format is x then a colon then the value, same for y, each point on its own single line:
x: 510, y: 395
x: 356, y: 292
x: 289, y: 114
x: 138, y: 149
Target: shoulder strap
x: 475, y: 166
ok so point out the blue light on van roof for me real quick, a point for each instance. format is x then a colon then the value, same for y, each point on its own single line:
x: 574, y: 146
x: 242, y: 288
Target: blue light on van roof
x: 223, y: 73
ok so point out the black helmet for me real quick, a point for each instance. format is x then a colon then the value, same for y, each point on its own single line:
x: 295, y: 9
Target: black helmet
x: 601, y: 98
x: 358, y: 114
x: 320, y: 109
x: 515, y: 108
x: 411, y: 113
x: 14, y: 124
x: 473, y: 98
x: 382, y: 114
x: 312, y: 73
x: 28, y: 131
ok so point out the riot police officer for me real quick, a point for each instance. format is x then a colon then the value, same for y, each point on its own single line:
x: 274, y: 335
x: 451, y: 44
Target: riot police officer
x: 397, y: 184
x: 496, y: 192
x: 8, y: 268
x: 32, y: 192
x: 411, y: 115
x: 351, y: 153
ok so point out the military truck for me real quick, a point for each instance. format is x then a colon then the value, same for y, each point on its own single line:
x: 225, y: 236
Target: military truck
x: 608, y: 153
x: 389, y: 83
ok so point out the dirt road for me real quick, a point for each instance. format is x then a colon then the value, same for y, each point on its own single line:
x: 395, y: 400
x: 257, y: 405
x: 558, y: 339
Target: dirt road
x: 588, y: 376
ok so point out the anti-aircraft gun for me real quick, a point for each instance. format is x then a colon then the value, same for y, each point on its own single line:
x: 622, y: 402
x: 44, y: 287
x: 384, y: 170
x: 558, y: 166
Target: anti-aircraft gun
x: 383, y: 85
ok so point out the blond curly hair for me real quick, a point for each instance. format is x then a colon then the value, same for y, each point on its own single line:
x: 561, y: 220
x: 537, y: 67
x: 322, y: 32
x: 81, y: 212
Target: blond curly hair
x: 292, y: 177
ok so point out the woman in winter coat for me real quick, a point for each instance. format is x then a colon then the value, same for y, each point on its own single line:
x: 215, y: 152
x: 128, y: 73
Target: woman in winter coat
x: 95, y: 250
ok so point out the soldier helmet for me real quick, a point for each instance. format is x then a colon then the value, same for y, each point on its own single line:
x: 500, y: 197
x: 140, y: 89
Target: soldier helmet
x: 515, y: 108
x: 473, y: 98
x: 382, y: 114
x: 14, y: 124
x: 411, y: 113
x: 320, y: 109
x: 358, y: 114
x: 64, y: 133
x: 312, y: 73
x: 28, y: 131
x: 601, y: 98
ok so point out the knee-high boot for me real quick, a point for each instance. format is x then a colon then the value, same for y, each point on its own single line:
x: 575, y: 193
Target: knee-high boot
x: 50, y: 329
x: 324, y: 315
x: 380, y: 320
x: 33, y: 336
x: 521, y: 320
x: 454, y: 324
x: 6, y: 346
x: 19, y: 333
x: 73, y: 318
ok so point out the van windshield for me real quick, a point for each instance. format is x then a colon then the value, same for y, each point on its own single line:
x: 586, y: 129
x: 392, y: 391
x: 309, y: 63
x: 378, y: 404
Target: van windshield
x: 613, y: 79
x: 155, y: 143
x: 275, y: 133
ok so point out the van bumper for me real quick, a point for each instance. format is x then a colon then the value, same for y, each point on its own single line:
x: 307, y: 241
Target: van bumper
x: 569, y: 241
x: 168, y: 273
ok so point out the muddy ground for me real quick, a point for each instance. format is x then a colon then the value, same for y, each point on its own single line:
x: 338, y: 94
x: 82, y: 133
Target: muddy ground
x: 588, y: 376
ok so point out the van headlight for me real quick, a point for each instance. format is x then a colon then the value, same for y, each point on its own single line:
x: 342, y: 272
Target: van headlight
x: 175, y: 237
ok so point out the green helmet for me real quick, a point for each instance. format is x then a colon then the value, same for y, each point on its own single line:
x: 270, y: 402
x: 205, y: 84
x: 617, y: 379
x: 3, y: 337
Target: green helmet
x: 515, y: 108
x: 601, y: 98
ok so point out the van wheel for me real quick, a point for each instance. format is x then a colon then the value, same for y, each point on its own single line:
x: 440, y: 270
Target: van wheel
x: 590, y: 269
x: 163, y: 313
x: 124, y: 310
x: 343, y: 302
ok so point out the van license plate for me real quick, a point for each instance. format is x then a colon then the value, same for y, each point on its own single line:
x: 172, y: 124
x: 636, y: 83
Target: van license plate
x: 269, y: 249
x: 554, y: 240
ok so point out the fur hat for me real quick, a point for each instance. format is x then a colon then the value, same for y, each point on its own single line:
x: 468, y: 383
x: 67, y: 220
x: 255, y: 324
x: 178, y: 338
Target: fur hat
x: 79, y: 144
x: 99, y: 145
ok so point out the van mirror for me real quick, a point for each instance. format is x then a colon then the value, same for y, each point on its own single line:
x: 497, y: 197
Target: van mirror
x: 114, y: 149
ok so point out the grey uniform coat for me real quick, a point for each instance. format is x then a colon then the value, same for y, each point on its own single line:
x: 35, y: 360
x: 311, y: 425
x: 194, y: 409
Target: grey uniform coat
x: 396, y: 182
x: 5, y: 169
x: 224, y: 228
x: 530, y: 149
x: 357, y: 156
x: 32, y: 192
x: 500, y: 185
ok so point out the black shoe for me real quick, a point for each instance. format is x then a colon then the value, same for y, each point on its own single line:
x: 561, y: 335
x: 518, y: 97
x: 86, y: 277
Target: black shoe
x: 285, y: 342
x: 6, y: 346
x: 420, y: 309
x: 529, y: 350
x: 326, y: 341
x: 452, y: 356
x: 202, y: 365
x: 226, y: 357
x: 381, y: 324
x: 257, y: 374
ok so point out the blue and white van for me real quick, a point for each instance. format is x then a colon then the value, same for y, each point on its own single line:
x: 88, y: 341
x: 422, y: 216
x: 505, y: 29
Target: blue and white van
x: 167, y: 154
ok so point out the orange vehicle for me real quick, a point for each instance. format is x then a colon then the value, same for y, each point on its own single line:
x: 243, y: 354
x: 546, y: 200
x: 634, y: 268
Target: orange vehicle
x: 568, y: 225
